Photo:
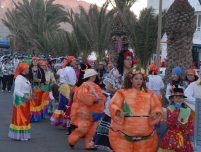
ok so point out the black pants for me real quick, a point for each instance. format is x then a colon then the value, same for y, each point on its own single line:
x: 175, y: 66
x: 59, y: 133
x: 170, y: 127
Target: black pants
x: 7, y: 82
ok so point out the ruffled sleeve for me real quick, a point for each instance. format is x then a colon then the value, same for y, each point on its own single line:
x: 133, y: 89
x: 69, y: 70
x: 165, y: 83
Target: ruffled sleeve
x: 116, y: 104
x: 85, y: 95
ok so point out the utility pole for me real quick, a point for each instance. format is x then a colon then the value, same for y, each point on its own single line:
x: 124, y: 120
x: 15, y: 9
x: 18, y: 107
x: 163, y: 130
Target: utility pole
x: 158, y: 49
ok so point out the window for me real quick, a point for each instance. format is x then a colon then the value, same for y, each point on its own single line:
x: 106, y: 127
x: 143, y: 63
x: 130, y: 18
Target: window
x: 199, y: 20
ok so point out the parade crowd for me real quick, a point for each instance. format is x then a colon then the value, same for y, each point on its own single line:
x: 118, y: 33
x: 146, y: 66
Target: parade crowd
x: 114, y: 107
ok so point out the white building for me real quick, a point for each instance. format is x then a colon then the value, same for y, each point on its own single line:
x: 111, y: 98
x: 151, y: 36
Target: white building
x: 197, y: 35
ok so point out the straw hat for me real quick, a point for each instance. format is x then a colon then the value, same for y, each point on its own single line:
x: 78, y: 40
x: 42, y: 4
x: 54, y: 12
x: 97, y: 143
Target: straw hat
x: 90, y: 73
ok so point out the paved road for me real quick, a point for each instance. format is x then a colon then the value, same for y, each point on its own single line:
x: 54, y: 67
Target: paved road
x: 45, y: 138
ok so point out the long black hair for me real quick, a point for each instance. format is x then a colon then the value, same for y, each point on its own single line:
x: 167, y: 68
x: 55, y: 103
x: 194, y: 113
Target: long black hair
x: 120, y: 61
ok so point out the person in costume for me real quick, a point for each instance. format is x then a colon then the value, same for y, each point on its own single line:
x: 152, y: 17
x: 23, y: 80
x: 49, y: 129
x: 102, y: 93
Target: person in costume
x: 67, y: 82
x: 83, y: 68
x: 20, y: 125
x: 86, y: 111
x: 134, y: 112
x: 176, y: 82
x: 190, y: 77
x: 101, y: 73
x: 46, y: 87
x: 180, y: 125
x: 124, y: 64
x: 37, y: 78
x: 155, y: 82
x: 192, y: 92
x: 101, y: 138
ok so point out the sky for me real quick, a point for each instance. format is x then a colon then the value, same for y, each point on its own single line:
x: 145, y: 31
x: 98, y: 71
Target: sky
x: 137, y: 7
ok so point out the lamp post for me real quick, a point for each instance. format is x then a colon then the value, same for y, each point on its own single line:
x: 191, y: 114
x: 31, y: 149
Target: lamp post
x: 158, y: 49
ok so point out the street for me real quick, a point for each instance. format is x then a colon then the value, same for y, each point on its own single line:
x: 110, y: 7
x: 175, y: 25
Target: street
x: 44, y: 137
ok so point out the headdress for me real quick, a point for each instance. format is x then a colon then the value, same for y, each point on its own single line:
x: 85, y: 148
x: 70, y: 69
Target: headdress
x: 127, y: 53
x: 153, y: 69
x: 21, y: 67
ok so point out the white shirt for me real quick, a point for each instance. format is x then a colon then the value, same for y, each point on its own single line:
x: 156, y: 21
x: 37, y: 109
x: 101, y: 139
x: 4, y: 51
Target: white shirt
x: 16, y: 62
x: 22, y: 86
x: 67, y: 75
x: 155, y: 83
x: 70, y: 75
x: 61, y: 75
x: 192, y: 92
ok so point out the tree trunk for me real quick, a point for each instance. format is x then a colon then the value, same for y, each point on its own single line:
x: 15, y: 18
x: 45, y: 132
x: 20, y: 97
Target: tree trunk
x: 180, y: 27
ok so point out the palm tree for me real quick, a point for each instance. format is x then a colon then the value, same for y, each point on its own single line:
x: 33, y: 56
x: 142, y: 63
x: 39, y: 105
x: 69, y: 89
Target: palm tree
x: 180, y: 27
x: 120, y: 27
x: 32, y: 22
x: 94, y: 25
x: 144, y: 36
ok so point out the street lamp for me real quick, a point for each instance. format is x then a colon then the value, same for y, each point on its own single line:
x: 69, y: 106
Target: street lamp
x: 158, y: 49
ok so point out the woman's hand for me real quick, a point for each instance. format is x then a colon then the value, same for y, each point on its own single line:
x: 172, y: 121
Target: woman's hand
x: 119, y: 116
x: 28, y: 97
x: 154, y: 118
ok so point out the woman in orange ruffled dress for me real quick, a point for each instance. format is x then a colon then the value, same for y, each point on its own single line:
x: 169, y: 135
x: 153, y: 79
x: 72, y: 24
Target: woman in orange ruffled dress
x: 20, y: 125
x: 86, y: 111
x: 134, y: 113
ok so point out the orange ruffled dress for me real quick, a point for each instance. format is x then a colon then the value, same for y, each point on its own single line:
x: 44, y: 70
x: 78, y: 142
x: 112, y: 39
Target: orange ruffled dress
x: 135, y: 132
x: 83, y: 104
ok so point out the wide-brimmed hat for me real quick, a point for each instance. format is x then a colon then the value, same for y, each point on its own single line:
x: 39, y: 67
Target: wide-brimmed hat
x: 178, y: 92
x: 90, y: 73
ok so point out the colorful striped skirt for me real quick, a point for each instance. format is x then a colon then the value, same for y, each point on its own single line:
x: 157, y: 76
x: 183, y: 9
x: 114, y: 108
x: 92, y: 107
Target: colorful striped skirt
x: 20, y: 127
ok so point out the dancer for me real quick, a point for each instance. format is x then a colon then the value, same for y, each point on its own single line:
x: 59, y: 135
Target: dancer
x: 101, y: 138
x: 67, y: 80
x: 134, y: 113
x: 37, y: 78
x: 87, y: 109
x: 46, y: 87
x: 180, y: 125
x: 20, y: 124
